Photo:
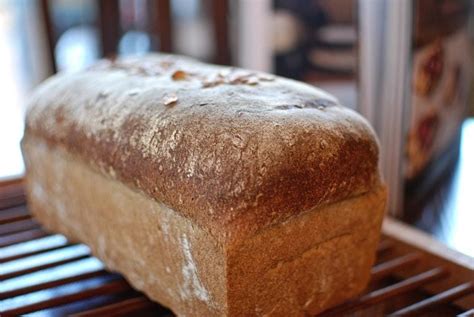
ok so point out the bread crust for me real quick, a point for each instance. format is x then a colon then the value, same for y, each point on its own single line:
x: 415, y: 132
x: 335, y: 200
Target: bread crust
x: 299, y: 267
x: 233, y: 150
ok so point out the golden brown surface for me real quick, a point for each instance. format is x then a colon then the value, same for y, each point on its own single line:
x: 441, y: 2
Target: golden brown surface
x: 232, y: 150
x: 303, y: 265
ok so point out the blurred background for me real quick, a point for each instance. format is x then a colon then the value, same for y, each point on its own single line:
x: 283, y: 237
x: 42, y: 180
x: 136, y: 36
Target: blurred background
x: 405, y: 65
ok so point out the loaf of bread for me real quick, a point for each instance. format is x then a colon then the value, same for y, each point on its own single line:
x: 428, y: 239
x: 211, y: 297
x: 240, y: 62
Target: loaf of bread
x: 216, y: 191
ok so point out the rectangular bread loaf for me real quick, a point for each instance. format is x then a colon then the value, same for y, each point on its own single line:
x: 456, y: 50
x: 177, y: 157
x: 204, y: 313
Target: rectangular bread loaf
x: 216, y: 191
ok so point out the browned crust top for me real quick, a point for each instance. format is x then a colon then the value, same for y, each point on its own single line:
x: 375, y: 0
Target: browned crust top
x: 231, y: 149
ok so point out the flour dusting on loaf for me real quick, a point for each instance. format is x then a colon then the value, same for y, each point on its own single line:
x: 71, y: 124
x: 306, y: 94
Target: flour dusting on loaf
x: 192, y: 285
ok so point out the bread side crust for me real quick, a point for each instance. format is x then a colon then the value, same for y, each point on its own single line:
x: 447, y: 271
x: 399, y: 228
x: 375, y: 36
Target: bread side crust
x: 157, y: 250
x: 309, y: 263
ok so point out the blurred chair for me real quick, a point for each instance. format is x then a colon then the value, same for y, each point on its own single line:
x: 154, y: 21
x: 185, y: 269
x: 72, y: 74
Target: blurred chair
x: 159, y: 27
